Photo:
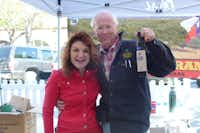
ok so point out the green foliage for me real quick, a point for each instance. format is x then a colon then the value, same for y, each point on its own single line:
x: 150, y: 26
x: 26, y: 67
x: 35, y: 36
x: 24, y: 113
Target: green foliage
x: 10, y: 18
x: 83, y: 25
x: 168, y: 30
x: 18, y: 16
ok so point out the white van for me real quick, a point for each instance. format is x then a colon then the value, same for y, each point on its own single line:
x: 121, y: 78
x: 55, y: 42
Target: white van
x: 16, y: 61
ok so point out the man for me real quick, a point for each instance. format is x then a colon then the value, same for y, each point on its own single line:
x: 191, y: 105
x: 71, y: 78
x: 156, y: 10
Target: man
x: 126, y: 103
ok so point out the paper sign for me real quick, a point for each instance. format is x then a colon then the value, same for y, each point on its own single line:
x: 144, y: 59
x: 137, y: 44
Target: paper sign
x: 141, y: 61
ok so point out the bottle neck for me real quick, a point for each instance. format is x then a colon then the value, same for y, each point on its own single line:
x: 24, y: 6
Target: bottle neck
x: 172, y: 89
x: 140, y: 41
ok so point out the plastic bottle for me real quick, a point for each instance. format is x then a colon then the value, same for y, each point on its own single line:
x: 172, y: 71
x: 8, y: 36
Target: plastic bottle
x: 172, y: 99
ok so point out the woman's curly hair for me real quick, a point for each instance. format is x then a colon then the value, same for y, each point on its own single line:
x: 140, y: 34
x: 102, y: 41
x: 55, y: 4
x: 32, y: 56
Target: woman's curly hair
x: 67, y: 65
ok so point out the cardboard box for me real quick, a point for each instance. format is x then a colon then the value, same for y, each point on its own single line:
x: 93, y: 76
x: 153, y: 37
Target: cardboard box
x: 13, y: 122
x: 18, y: 122
x: 20, y: 103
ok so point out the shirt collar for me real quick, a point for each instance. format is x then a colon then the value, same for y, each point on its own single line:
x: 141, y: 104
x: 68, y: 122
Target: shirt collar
x: 114, y: 46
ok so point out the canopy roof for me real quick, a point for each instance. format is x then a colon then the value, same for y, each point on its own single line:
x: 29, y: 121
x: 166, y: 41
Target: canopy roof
x: 120, y: 8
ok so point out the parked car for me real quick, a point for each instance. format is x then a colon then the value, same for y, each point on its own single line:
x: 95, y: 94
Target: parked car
x: 18, y: 61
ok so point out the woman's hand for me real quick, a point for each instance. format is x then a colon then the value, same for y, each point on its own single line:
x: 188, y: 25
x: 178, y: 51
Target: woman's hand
x: 60, y: 105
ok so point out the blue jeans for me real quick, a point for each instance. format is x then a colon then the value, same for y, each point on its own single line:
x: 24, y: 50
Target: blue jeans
x: 106, y: 127
x: 123, y: 127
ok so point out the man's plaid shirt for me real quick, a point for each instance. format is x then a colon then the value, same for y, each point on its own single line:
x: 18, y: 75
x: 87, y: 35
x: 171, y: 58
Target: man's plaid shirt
x: 108, y: 56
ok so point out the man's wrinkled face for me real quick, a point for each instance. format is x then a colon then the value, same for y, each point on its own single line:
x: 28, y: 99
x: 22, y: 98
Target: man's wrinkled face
x: 105, y: 29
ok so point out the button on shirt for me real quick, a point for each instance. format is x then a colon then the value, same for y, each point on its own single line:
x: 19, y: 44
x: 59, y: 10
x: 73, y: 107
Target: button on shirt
x: 79, y: 94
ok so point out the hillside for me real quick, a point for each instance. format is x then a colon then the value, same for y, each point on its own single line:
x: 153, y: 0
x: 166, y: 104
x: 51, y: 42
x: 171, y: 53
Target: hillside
x: 167, y: 30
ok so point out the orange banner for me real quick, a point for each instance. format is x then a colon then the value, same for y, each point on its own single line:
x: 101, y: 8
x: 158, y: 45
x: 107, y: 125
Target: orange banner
x: 186, y: 68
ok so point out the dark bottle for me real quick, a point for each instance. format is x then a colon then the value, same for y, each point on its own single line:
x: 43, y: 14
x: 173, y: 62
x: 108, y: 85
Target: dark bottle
x: 172, y: 99
x: 141, y: 56
x: 140, y: 43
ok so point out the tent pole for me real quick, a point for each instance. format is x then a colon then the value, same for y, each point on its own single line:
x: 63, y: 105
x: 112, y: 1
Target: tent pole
x: 59, y: 14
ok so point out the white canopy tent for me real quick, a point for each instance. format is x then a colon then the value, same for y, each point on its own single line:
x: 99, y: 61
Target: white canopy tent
x: 120, y: 8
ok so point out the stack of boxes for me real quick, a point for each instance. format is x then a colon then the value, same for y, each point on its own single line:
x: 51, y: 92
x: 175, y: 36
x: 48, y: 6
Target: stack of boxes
x: 20, y: 121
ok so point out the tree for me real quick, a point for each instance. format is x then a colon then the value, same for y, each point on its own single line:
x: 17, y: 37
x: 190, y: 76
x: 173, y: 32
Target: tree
x: 29, y: 21
x: 15, y: 16
x: 11, y: 20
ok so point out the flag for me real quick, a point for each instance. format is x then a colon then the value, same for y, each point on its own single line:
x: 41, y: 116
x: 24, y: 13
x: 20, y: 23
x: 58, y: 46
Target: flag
x: 192, y: 26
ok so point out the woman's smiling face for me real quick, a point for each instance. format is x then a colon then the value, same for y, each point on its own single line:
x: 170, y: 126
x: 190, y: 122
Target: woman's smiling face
x: 79, y: 55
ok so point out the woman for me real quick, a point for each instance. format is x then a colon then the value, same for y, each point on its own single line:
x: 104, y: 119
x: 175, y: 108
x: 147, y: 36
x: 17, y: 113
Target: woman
x: 75, y: 84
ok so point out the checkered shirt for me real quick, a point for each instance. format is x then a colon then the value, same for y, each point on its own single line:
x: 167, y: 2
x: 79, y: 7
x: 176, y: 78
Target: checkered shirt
x: 108, y: 57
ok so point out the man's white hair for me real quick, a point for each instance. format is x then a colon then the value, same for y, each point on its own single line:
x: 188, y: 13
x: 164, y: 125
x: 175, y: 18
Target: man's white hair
x: 92, y: 23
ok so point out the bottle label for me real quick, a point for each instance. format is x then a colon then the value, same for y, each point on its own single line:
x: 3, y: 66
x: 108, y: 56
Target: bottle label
x: 141, y: 61
x: 153, y: 107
